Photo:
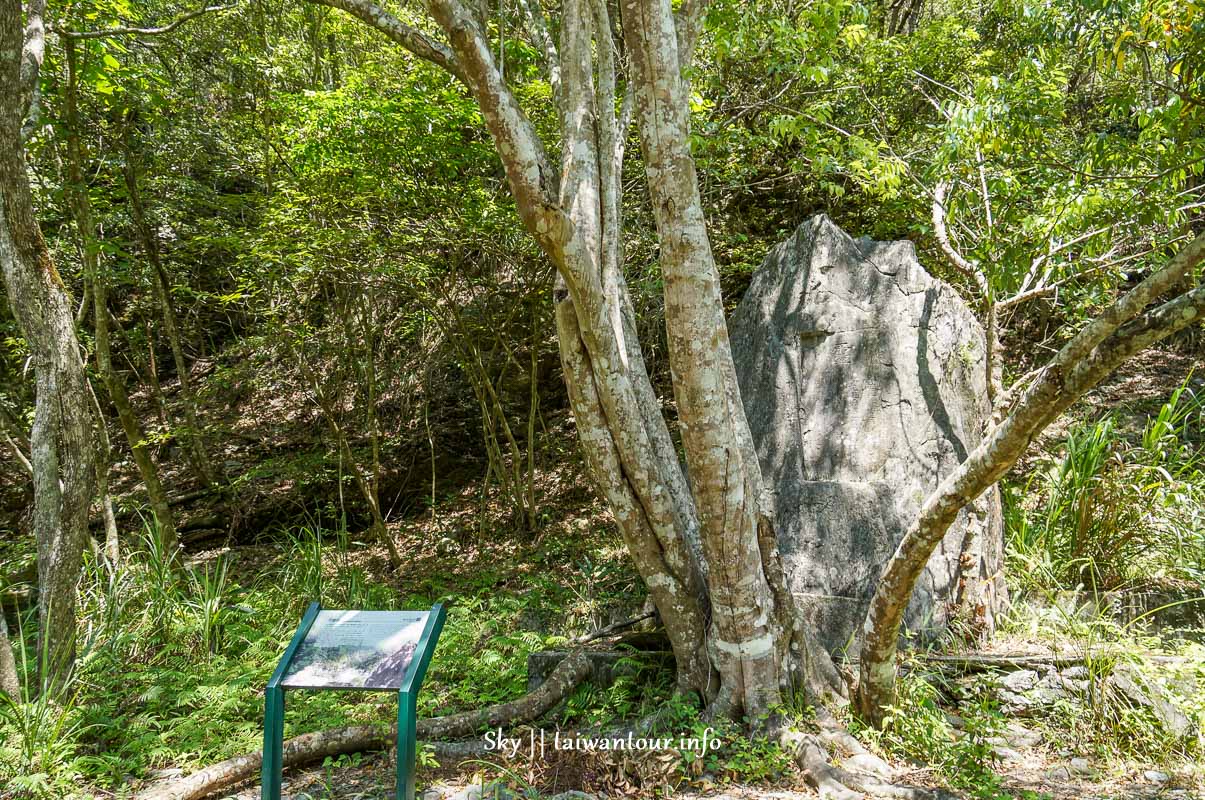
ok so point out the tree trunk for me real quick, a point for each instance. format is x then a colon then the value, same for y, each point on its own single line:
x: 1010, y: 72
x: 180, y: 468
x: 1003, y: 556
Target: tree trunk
x: 81, y: 208
x: 104, y: 452
x: 624, y: 436
x: 751, y: 619
x: 161, y: 284
x: 61, y: 440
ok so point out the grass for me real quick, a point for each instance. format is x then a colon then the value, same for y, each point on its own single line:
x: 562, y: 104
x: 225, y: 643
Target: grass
x: 41, y: 729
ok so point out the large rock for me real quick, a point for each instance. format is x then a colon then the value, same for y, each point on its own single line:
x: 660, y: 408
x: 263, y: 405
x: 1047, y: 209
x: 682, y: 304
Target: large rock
x: 864, y: 383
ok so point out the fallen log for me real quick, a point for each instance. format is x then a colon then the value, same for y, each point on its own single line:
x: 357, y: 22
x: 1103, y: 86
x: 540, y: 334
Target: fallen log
x: 310, y: 747
x: 981, y: 662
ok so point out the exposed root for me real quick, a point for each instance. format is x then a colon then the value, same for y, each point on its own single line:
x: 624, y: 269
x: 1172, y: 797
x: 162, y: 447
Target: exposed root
x: 855, y: 773
x: 310, y: 747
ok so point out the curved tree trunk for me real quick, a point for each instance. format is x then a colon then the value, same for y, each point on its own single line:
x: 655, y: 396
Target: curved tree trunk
x: 61, y: 440
x: 1100, y: 347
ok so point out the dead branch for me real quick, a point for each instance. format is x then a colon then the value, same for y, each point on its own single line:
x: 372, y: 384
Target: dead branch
x: 956, y: 259
x: 614, y: 627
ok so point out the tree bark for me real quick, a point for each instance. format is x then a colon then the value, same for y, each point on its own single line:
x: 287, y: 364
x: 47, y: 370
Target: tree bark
x: 751, y: 623
x: 1123, y: 330
x: 61, y: 440
x: 81, y: 208
x: 104, y: 452
x: 10, y: 683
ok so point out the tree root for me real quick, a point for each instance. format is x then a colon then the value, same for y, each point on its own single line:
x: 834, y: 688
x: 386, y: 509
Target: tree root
x: 310, y: 747
x: 861, y: 774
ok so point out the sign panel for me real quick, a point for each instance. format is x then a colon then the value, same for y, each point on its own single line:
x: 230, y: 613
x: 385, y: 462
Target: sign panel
x: 356, y: 650
x: 388, y: 650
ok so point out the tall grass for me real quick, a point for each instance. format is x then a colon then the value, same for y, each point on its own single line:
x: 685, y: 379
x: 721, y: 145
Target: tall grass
x: 319, y: 566
x: 39, y: 728
x: 209, y: 602
x: 1113, y: 512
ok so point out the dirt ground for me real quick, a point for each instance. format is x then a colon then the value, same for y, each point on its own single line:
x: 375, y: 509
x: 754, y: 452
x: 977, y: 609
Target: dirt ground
x: 1046, y: 770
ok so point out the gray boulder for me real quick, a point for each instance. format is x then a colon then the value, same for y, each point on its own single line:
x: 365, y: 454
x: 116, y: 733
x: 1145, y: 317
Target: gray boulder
x: 864, y: 383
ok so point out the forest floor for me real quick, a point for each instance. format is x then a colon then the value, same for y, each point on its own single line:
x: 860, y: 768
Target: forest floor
x: 1035, y: 770
x: 1041, y: 754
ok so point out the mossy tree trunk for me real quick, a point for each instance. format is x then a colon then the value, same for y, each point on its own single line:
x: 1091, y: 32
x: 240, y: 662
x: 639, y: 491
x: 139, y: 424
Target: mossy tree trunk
x: 61, y: 440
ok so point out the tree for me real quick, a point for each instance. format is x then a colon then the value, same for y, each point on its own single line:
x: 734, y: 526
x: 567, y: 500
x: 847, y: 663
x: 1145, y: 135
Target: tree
x: 81, y: 207
x: 705, y: 550
x: 61, y: 440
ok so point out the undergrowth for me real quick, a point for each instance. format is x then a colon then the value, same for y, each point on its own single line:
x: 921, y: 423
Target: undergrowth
x: 172, y: 664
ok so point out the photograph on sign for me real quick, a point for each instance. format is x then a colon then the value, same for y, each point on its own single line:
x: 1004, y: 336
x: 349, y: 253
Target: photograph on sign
x: 356, y: 650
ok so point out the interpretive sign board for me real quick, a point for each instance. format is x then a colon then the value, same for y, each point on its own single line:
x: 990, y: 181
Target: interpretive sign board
x: 351, y: 649
x: 356, y: 650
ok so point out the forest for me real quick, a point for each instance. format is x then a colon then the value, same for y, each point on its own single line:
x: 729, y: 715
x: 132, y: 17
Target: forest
x: 789, y: 399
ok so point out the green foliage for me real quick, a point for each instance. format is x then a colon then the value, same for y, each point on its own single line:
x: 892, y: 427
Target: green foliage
x: 642, y: 685
x: 208, y: 587
x: 39, y: 731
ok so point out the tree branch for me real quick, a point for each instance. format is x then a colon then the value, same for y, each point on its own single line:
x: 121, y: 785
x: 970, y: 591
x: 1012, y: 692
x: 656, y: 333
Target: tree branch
x: 532, y: 181
x: 412, y: 39
x: 539, y: 30
x: 133, y: 31
x: 689, y: 25
x: 33, y: 51
x: 959, y: 262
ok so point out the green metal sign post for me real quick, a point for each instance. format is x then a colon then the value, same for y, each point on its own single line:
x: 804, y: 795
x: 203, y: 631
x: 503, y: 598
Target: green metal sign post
x: 356, y: 650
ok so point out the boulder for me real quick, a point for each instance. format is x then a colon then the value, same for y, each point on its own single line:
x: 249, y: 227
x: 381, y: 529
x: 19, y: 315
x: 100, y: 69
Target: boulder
x: 864, y: 383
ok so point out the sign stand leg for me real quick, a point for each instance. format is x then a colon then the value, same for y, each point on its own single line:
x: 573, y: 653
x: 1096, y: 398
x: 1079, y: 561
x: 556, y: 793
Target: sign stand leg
x: 274, y: 733
x: 406, y: 734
